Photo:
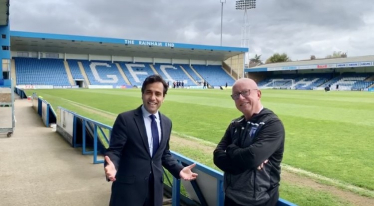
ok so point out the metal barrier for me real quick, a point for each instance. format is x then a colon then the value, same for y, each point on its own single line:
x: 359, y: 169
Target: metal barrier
x: 20, y: 93
x: 79, y: 130
x: 207, y: 189
x: 44, y: 109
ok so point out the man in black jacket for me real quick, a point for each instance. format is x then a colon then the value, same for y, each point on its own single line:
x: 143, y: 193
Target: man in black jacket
x: 251, y: 151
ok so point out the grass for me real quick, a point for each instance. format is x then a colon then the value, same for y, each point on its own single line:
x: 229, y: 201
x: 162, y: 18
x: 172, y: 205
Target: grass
x: 329, y: 134
x: 308, y: 197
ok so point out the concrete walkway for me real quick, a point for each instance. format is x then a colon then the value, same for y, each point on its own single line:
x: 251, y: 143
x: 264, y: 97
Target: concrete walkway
x: 38, y: 167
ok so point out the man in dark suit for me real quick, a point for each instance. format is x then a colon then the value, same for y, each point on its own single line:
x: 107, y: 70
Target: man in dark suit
x: 139, y: 147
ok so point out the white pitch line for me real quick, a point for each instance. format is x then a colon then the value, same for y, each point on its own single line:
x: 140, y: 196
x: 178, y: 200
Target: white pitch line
x: 84, y: 105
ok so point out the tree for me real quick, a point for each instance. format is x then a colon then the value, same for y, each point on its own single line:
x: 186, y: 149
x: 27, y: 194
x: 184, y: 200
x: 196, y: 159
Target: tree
x: 278, y: 58
x: 337, y: 54
x: 312, y: 57
x: 255, y: 60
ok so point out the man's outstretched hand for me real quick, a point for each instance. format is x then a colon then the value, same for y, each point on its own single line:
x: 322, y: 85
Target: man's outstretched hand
x: 187, y: 174
x: 110, y: 170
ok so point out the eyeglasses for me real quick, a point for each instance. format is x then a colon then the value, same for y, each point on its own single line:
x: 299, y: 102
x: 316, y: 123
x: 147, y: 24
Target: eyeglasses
x: 244, y: 93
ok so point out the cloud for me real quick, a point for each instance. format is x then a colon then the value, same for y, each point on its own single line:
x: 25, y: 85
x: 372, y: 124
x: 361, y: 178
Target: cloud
x: 298, y: 28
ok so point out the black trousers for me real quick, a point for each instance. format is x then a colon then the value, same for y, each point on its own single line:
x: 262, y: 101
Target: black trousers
x: 150, y: 197
x: 272, y: 201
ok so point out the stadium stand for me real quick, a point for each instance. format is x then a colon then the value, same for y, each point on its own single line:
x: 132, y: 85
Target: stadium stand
x: 360, y: 85
x: 346, y: 81
x: 214, y: 75
x: 310, y: 81
x: 136, y: 72
x: 74, y: 69
x: 349, y: 80
x: 173, y: 73
x: 103, y: 73
x: 191, y: 73
x: 30, y: 71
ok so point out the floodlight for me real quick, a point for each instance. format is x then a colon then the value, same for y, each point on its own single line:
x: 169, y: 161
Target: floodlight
x: 222, y: 2
x: 245, y: 4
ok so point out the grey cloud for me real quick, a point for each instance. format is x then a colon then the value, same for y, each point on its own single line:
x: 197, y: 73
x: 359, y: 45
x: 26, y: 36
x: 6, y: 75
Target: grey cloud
x: 330, y: 14
x: 302, y: 49
x: 276, y: 26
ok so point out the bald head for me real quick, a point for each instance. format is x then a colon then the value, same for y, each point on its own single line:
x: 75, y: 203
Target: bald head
x: 247, y: 95
x: 249, y: 83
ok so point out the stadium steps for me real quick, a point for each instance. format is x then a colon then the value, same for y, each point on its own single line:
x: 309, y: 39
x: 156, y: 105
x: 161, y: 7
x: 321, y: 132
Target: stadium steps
x: 371, y: 78
x: 86, y: 80
x: 227, y: 73
x: 189, y: 76
x: 257, y: 77
x: 201, y: 78
x: 13, y: 72
x: 228, y: 69
x: 153, y: 69
x: 123, y: 74
x: 68, y: 72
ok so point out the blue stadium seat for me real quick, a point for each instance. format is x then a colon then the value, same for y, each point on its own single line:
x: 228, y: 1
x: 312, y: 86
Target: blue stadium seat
x: 136, y: 72
x: 346, y: 81
x: 102, y: 73
x: 31, y: 71
x: 74, y: 68
x: 214, y: 75
x: 174, y: 72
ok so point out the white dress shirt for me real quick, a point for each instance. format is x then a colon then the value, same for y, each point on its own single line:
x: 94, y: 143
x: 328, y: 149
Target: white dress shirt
x: 147, y: 123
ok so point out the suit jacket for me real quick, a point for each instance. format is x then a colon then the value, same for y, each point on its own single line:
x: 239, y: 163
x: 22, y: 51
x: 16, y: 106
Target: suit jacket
x: 129, y: 152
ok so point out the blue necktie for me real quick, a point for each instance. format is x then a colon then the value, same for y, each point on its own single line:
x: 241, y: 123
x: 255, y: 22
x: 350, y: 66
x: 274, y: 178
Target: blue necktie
x: 154, y: 133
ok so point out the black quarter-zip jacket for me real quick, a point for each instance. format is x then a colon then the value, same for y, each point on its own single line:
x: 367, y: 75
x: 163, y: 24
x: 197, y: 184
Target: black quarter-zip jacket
x: 245, y: 145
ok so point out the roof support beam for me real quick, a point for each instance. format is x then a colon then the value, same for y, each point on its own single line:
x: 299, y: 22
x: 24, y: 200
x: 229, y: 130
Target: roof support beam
x: 243, y: 66
x: 237, y: 72
x: 231, y: 66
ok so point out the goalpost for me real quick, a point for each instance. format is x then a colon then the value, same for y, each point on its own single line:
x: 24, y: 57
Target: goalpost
x: 283, y: 83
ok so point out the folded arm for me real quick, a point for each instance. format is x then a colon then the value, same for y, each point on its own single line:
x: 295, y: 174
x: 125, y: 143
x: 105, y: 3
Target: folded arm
x: 268, y: 140
x: 221, y: 158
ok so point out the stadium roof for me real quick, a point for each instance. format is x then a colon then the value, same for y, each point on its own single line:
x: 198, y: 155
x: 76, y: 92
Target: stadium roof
x: 4, y: 12
x: 361, y: 61
x: 59, y: 43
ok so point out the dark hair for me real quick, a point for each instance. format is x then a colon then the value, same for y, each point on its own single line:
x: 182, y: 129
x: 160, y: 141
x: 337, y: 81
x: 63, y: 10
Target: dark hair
x: 152, y: 79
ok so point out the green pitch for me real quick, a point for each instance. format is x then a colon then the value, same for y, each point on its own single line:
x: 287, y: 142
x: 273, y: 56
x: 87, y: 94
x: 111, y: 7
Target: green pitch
x: 329, y: 134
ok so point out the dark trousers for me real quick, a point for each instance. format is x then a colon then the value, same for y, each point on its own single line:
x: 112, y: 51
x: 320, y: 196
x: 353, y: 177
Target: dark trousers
x: 272, y: 201
x: 150, y: 197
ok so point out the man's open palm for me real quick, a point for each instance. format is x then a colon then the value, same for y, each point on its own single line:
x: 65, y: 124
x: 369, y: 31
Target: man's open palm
x: 110, y: 170
x: 187, y: 174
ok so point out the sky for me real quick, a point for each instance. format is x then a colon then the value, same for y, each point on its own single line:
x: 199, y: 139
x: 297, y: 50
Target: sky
x: 299, y: 28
